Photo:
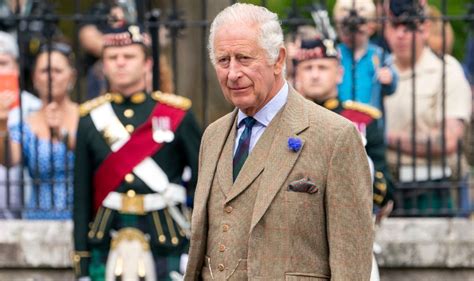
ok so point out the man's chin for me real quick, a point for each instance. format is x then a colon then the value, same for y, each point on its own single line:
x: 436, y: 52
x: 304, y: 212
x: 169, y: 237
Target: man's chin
x: 314, y: 97
x: 242, y: 103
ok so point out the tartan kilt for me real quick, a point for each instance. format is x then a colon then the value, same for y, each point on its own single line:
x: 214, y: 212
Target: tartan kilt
x: 166, y: 255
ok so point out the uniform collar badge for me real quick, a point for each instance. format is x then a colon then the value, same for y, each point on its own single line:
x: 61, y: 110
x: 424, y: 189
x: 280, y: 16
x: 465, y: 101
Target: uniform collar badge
x: 138, y: 98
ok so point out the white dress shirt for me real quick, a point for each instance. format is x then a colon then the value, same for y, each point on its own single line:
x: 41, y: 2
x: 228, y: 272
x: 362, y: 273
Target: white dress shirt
x: 264, y: 116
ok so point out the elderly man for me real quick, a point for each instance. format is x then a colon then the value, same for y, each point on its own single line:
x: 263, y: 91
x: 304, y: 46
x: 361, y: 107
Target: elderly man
x: 403, y: 32
x: 284, y: 190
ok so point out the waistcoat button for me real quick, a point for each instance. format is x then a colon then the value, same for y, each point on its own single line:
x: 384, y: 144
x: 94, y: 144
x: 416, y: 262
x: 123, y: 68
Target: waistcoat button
x: 228, y: 209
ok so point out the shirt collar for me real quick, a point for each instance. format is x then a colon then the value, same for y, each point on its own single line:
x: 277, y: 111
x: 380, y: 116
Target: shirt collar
x: 265, y: 115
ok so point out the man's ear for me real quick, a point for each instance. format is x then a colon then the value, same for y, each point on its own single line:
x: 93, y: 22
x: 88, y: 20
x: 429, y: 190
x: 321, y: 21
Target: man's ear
x: 340, y: 74
x: 425, y: 30
x: 280, y: 62
x: 149, y: 63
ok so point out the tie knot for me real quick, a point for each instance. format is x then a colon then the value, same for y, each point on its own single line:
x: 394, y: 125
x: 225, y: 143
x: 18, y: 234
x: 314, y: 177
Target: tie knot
x: 248, y: 122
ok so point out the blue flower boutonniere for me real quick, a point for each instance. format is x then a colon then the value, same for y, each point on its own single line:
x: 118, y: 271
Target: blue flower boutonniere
x: 294, y: 144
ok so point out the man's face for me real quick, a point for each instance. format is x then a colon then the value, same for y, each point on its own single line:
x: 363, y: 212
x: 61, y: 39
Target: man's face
x: 7, y: 64
x: 400, y: 40
x: 246, y: 77
x: 317, y: 79
x: 125, y: 67
x: 359, y: 38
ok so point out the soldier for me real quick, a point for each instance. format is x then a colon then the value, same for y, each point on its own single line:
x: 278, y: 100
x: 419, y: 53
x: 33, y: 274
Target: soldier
x: 132, y: 148
x: 318, y: 71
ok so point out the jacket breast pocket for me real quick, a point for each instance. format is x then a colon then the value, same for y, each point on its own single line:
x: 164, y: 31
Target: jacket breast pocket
x: 296, y: 276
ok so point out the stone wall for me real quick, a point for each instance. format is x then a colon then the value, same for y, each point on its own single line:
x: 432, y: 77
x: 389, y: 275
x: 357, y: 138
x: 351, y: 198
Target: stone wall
x: 426, y: 249
x: 412, y: 249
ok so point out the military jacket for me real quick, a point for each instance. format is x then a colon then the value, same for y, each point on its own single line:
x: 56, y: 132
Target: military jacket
x: 368, y: 121
x: 92, y: 230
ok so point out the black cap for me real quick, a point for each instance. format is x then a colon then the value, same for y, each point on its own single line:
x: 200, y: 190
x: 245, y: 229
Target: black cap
x: 316, y: 49
x: 406, y: 8
x: 126, y: 35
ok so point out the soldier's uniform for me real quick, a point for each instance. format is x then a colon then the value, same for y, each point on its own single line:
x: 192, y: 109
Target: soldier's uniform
x: 130, y: 156
x: 368, y: 121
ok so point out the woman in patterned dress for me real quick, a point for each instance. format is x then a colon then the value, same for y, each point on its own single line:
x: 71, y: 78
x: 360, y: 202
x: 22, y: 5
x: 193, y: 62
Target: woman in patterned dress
x: 48, y: 135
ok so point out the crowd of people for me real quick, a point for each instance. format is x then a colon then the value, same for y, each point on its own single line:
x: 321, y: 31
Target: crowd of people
x: 124, y: 165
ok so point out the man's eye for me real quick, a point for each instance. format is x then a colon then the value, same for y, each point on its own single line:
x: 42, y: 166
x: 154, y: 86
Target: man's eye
x: 245, y: 59
x: 223, y: 60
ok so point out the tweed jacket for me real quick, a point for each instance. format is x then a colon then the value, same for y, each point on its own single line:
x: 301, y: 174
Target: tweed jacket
x: 324, y: 235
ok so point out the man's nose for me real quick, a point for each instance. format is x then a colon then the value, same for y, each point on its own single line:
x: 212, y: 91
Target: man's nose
x: 234, y: 70
x: 315, y: 73
x: 120, y: 60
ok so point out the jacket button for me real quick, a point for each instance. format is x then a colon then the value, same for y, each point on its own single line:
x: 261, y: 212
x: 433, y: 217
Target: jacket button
x: 221, y: 267
x: 228, y: 209
x: 128, y: 113
x: 129, y: 178
x: 221, y: 248
x: 225, y: 227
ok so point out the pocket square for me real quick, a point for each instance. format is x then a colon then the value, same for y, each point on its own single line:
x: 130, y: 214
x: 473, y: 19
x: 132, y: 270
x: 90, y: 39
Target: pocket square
x: 303, y: 185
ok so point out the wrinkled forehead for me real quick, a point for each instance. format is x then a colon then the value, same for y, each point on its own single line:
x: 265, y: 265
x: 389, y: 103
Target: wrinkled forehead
x: 232, y: 36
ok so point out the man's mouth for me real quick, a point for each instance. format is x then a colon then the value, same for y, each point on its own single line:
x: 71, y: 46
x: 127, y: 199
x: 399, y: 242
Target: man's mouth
x: 238, y: 89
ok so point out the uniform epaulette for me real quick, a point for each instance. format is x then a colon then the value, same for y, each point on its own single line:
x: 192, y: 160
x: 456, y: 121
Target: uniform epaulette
x: 365, y: 108
x: 331, y: 104
x: 172, y: 100
x: 88, y: 106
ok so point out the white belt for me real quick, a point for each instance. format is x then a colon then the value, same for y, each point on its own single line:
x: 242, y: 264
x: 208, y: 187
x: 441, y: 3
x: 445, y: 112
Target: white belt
x: 173, y: 195
x: 169, y: 194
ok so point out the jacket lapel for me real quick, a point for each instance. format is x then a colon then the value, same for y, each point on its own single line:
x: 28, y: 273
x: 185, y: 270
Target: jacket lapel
x: 225, y: 164
x: 214, y: 149
x: 256, y: 161
x: 207, y: 168
x: 281, y: 159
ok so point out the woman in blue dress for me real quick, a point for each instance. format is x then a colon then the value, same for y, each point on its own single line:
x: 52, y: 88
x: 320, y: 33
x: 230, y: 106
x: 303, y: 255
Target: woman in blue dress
x: 48, y: 135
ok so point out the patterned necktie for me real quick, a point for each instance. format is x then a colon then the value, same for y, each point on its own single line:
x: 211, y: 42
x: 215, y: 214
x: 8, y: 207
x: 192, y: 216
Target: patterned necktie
x: 243, y: 148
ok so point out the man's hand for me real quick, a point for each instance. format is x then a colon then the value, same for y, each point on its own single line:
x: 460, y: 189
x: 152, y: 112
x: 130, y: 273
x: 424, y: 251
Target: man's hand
x: 384, y: 75
x: 384, y: 212
x: 292, y: 48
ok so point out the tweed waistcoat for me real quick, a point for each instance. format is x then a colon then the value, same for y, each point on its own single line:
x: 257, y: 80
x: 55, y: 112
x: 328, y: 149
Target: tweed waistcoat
x: 229, y: 223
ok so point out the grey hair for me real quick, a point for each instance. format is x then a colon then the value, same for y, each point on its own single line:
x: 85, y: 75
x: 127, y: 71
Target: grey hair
x: 270, y: 34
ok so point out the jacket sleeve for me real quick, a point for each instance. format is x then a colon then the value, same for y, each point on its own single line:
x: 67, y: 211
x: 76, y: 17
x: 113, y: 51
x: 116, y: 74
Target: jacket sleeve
x: 190, y: 141
x: 82, y: 198
x: 376, y: 149
x: 349, y: 208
